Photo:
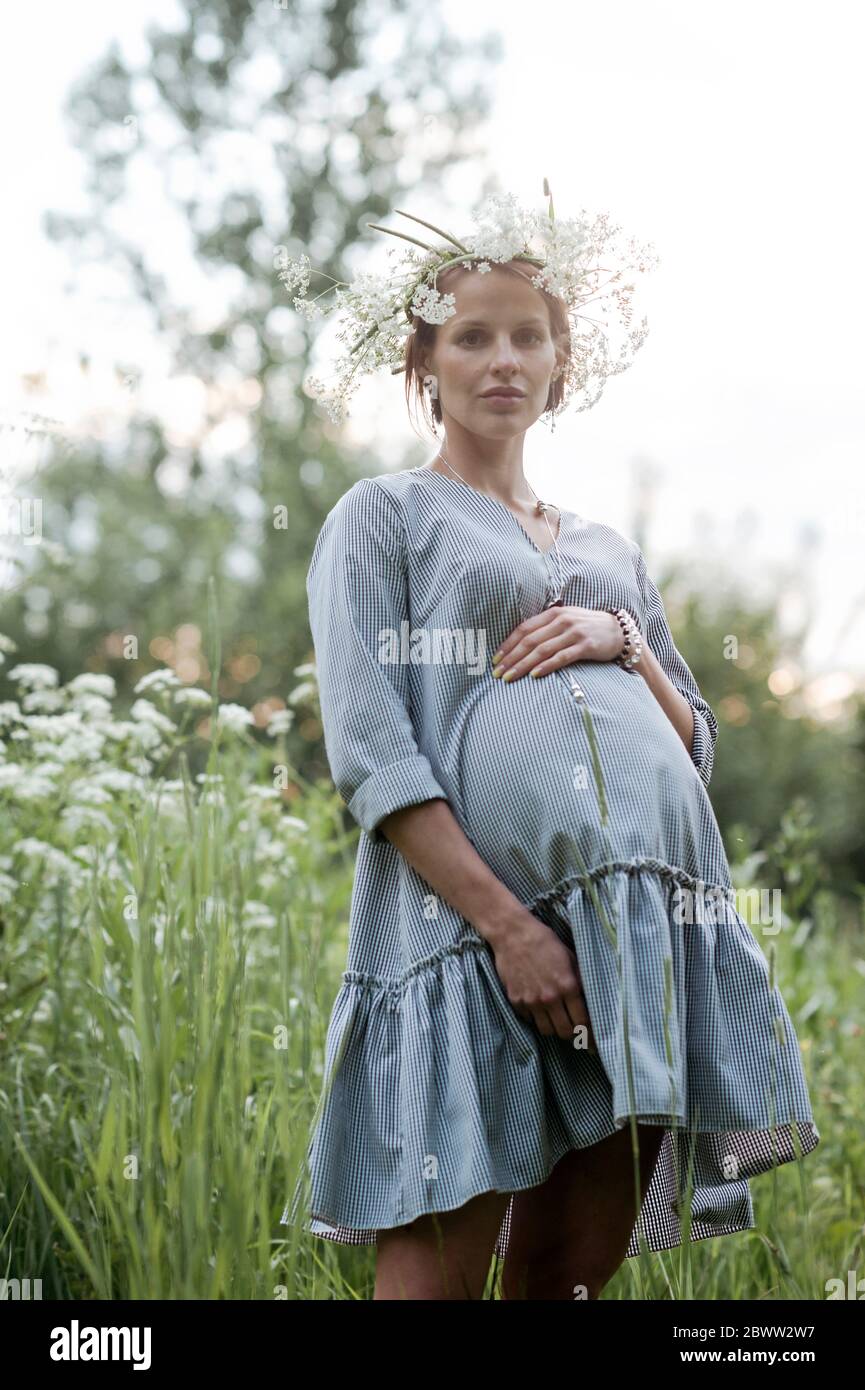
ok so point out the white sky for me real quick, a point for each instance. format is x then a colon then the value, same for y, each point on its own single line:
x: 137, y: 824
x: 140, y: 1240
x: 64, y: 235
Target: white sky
x: 729, y: 135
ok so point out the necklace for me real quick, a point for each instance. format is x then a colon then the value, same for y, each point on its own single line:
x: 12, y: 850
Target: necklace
x: 541, y: 509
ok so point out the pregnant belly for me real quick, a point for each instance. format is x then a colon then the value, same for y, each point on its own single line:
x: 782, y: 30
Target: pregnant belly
x: 531, y: 797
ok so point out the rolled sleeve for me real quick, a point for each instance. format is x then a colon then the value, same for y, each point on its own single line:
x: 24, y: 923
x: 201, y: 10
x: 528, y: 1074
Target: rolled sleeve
x: 358, y: 604
x: 657, y: 632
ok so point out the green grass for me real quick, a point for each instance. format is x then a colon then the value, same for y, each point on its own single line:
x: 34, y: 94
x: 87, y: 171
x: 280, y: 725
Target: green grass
x: 167, y: 977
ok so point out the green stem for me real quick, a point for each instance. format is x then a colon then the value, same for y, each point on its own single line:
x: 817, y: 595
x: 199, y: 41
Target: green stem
x: 447, y: 236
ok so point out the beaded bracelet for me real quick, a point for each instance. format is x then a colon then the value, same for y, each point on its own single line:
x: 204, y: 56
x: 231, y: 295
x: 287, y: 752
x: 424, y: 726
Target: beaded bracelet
x: 632, y: 650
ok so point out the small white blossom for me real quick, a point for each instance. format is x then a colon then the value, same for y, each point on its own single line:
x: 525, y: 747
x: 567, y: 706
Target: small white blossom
x: 43, y: 700
x: 581, y: 260
x: 57, y: 864
x: 146, y: 735
x: 88, y: 792
x: 147, y: 713
x: 33, y: 676
x: 308, y: 690
x: 163, y: 679
x: 258, y: 914
x: 234, y: 718
x: 118, y: 779
x: 93, y: 683
x: 94, y: 708
x: 29, y: 784
x: 193, y: 696
x: 8, y: 890
x: 74, y: 819
x: 280, y: 722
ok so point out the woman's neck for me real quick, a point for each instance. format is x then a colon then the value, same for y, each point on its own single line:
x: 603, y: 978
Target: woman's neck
x: 501, y: 478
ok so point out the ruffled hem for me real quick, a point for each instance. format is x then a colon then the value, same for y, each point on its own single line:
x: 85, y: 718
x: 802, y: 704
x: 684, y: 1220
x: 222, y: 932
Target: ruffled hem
x: 440, y: 1091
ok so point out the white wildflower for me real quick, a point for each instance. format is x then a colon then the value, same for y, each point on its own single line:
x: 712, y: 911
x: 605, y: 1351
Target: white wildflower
x: 146, y: 734
x: 86, y: 791
x: 118, y: 779
x: 163, y: 679
x: 9, y: 711
x: 74, y: 819
x: 28, y: 784
x: 94, y: 708
x: 57, y: 865
x: 256, y: 914
x: 234, y: 718
x: 93, y: 683
x: 280, y: 722
x: 8, y: 889
x: 307, y: 690
x: 43, y: 701
x: 33, y: 676
x: 144, y: 712
x: 193, y: 696
x: 581, y: 259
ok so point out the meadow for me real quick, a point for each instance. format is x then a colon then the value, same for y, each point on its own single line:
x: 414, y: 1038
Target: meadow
x: 171, y: 946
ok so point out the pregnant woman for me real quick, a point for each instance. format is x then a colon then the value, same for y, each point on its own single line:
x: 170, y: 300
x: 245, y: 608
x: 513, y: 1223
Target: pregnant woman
x: 555, y: 1038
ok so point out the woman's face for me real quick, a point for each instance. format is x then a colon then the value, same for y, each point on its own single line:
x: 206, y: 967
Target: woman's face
x: 499, y: 336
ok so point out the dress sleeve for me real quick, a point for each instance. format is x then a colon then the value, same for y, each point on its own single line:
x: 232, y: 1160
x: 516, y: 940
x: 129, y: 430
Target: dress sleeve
x: 357, y: 591
x: 660, y: 639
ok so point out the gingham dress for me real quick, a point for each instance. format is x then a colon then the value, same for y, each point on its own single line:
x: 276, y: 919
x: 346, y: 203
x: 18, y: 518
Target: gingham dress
x: 435, y: 1088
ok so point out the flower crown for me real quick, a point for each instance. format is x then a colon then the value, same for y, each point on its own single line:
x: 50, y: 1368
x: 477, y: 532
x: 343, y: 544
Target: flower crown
x: 378, y: 310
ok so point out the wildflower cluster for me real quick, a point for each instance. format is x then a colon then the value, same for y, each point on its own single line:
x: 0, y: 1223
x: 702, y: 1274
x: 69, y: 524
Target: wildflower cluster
x: 583, y: 260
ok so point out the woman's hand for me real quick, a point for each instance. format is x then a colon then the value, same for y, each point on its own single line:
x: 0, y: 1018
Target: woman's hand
x: 558, y: 637
x: 542, y: 980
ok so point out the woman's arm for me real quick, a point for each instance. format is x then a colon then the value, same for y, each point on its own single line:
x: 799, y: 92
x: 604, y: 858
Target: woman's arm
x: 677, y: 709
x: 668, y: 676
x: 358, y: 605
x: 540, y: 974
x: 430, y: 837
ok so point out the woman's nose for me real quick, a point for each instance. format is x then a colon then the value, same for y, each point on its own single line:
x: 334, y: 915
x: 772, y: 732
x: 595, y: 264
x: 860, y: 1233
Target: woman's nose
x: 504, y: 355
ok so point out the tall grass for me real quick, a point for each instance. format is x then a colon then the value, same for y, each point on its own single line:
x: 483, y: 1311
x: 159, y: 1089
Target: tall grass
x: 170, y: 950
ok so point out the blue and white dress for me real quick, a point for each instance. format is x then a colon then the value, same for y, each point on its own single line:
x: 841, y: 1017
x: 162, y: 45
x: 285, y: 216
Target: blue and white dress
x: 435, y: 1088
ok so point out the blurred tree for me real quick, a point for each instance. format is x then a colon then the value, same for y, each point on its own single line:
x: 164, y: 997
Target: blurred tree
x: 248, y: 131
x: 772, y: 753
x: 245, y: 129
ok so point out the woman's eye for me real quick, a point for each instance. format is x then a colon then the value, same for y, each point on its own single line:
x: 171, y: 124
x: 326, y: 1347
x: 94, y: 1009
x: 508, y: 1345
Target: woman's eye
x: 473, y: 333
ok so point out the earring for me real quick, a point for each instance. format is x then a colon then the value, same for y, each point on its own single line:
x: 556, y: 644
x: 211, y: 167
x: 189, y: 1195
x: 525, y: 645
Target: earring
x: 431, y: 386
x: 557, y: 373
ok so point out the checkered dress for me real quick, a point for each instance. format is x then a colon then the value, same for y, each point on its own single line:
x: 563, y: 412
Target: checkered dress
x: 436, y: 1089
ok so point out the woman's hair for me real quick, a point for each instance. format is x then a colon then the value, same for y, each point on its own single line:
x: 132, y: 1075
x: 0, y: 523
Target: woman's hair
x: 421, y: 342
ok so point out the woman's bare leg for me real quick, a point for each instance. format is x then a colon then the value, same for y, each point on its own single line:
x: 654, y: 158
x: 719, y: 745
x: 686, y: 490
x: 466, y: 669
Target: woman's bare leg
x: 444, y: 1255
x: 572, y: 1231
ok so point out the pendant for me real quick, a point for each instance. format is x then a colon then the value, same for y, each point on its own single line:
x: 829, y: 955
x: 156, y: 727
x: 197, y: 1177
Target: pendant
x: 554, y: 603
